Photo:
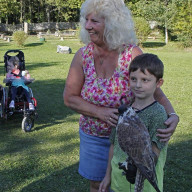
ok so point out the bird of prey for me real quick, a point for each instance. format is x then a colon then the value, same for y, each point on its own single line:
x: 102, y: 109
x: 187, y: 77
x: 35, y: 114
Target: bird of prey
x: 134, y: 139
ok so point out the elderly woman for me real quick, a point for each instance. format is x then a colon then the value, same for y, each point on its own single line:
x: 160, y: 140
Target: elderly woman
x: 98, y: 79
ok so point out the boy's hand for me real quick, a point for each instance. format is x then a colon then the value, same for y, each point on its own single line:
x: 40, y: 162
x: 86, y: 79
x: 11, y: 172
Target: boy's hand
x: 104, y: 185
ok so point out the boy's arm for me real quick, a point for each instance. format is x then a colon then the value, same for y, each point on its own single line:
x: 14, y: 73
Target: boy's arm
x: 158, y: 123
x: 104, y: 185
x: 156, y: 152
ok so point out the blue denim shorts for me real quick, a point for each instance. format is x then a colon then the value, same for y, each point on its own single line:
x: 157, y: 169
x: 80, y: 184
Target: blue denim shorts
x: 94, y: 152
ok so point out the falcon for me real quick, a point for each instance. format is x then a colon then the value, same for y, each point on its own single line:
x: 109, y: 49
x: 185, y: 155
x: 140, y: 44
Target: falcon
x: 134, y: 140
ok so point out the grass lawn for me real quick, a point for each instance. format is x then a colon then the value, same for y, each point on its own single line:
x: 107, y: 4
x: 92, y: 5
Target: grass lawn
x: 46, y: 159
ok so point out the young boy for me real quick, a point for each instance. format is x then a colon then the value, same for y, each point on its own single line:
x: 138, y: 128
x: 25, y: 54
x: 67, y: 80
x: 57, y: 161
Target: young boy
x: 17, y: 78
x: 146, y: 72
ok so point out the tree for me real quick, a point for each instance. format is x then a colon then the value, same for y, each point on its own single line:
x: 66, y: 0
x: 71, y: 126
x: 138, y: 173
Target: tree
x: 142, y: 29
x: 18, y: 11
x: 162, y: 11
x: 8, y: 8
x: 131, y: 4
x: 183, y: 22
x: 68, y: 10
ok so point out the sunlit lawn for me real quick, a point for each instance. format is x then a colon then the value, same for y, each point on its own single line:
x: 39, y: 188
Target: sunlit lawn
x: 46, y: 159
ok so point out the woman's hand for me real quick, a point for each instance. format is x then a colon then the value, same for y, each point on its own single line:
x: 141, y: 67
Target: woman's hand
x: 104, y: 185
x: 171, y: 123
x: 109, y: 115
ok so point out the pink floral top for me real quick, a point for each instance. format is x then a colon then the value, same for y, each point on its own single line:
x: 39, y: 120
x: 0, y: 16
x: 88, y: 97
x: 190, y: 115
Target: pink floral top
x: 104, y: 92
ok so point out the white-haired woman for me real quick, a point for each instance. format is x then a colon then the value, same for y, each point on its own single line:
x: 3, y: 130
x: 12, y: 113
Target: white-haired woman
x: 98, y: 79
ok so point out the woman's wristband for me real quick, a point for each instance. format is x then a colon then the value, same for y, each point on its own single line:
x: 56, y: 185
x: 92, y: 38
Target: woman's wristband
x: 173, y: 114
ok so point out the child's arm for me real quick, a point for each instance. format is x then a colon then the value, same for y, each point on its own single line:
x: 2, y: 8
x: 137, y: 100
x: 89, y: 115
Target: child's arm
x: 104, y: 185
x: 158, y: 119
x: 24, y: 73
x: 9, y: 78
x: 156, y: 152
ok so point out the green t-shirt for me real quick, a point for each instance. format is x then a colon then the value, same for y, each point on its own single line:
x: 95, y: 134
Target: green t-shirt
x: 153, y: 116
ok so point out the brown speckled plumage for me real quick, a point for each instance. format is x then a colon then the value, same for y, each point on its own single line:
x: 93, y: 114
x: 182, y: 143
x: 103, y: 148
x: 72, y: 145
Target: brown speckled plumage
x: 134, y: 139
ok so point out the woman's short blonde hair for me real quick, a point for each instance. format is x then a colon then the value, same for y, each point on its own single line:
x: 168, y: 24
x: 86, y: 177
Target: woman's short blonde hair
x: 119, y: 26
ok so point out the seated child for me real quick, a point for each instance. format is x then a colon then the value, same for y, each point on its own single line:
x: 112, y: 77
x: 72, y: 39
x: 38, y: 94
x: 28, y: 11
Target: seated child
x: 18, y: 78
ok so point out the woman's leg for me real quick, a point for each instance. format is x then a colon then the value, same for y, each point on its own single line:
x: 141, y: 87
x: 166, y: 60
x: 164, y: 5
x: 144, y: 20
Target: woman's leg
x: 94, y: 186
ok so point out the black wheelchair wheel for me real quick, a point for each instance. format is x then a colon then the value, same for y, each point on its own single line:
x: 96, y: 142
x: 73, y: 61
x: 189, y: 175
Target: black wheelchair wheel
x: 27, y: 124
x: 3, y: 105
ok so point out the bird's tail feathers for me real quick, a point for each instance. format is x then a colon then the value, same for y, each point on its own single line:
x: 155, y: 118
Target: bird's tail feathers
x: 139, y: 182
x: 152, y: 178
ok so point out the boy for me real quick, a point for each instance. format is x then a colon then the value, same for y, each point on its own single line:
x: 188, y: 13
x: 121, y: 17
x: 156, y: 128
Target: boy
x: 146, y: 72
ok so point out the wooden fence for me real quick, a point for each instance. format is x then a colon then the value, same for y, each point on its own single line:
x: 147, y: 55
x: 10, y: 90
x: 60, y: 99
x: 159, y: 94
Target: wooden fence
x: 39, y: 27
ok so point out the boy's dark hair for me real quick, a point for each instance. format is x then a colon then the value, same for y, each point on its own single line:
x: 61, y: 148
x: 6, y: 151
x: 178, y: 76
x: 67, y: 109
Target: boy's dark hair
x: 149, y: 62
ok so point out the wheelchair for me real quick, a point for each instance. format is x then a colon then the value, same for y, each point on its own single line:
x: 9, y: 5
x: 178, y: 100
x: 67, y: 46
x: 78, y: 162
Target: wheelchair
x: 21, y: 104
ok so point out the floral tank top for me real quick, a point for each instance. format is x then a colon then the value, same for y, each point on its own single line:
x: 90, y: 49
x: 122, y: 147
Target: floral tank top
x: 104, y: 92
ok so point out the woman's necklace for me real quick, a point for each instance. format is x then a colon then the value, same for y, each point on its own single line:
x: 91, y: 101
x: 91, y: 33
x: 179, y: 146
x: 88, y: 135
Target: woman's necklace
x: 101, y: 60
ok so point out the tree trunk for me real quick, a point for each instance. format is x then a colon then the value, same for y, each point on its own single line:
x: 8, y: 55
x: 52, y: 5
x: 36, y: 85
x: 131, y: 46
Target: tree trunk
x: 30, y: 11
x: 166, y: 35
x: 166, y: 30
x: 7, y: 20
x: 48, y: 13
x: 21, y: 15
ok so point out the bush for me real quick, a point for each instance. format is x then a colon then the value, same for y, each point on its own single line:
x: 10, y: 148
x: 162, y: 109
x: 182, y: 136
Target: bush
x: 142, y: 29
x: 185, y: 40
x: 19, y: 37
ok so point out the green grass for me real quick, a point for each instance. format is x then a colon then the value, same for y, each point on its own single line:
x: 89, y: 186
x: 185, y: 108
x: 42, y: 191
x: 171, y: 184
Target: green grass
x: 46, y: 159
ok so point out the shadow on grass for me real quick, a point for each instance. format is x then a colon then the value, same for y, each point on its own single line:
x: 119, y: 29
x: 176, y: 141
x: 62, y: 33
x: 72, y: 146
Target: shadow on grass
x: 65, y: 180
x: 57, y: 174
x: 4, y: 44
x: 153, y: 44
x: 1, y: 71
x: 33, y: 44
x: 178, y: 167
x: 68, y: 179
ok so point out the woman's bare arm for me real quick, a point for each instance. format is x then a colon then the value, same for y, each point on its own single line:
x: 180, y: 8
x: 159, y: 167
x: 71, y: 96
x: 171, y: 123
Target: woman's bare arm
x: 172, y: 121
x: 136, y: 51
x: 72, y: 92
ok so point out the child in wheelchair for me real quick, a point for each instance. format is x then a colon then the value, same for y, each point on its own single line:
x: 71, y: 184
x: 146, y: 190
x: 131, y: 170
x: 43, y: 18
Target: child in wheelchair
x: 17, y: 79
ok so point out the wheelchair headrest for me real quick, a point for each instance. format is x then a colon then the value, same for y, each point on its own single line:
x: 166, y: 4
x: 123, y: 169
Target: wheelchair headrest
x: 9, y: 60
